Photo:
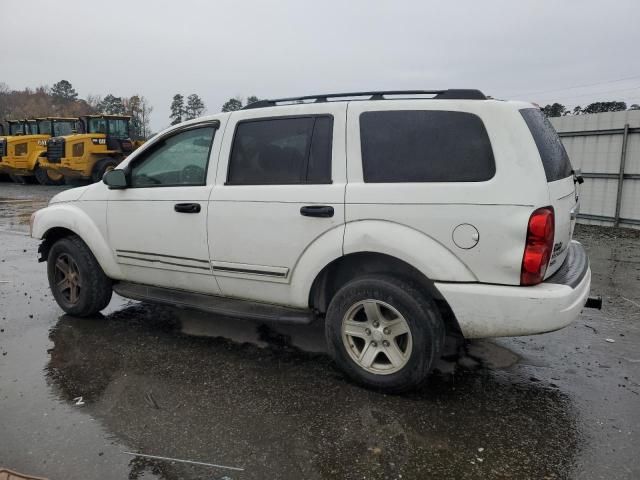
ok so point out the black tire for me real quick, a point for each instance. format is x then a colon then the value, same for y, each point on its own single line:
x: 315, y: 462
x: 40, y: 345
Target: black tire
x: 101, y: 167
x: 95, y: 290
x: 44, y: 179
x: 420, y: 313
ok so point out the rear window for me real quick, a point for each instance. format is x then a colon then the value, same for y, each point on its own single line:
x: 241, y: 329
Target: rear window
x: 425, y: 146
x: 554, y: 157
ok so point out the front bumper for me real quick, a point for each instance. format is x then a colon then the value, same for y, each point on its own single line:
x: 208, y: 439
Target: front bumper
x: 67, y: 167
x: 15, y: 166
x: 484, y: 310
x: 70, y: 172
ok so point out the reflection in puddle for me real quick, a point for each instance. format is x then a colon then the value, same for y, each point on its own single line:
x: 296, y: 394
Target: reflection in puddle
x: 265, y: 404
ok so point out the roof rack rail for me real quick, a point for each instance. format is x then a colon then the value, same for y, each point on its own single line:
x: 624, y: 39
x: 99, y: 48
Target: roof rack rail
x: 450, y: 94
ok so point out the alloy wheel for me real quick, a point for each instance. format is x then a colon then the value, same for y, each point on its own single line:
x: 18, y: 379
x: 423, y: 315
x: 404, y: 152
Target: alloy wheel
x: 377, y: 337
x: 67, y: 278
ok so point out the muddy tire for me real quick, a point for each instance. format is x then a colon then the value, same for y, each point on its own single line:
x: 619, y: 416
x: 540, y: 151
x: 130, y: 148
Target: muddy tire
x: 384, y: 333
x: 45, y: 178
x: 101, y: 167
x: 77, y: 281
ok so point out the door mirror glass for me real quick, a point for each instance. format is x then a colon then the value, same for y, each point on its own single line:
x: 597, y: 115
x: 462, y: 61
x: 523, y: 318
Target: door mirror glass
x: 115, y: 179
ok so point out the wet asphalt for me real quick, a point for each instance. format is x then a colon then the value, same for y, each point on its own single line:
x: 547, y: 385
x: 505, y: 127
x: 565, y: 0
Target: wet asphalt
x: 265, y: 398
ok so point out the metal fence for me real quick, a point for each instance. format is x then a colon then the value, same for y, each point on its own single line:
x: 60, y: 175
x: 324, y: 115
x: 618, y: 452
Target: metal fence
x: 606, y: 147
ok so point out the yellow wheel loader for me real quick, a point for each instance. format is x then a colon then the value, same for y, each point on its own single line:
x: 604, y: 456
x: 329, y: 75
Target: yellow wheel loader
x: 15, y: 128
x: 24, y: 152
x: 89, y: 155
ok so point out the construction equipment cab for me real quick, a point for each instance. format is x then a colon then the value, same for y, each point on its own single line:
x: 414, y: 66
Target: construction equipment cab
x: 23, y: 153
x: 87, y: 156
x: 15, y: 128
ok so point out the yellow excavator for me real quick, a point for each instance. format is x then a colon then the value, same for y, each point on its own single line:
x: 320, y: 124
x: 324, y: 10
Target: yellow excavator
x: 23, y: 152
x: 89, y: 155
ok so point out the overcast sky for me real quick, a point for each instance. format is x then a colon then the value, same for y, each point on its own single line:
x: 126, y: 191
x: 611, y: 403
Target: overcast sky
x: 570, y: 51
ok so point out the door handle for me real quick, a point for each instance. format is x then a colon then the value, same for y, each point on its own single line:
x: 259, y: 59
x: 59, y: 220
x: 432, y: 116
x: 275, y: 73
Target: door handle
x: 324, y: 211
x: 187, y: 207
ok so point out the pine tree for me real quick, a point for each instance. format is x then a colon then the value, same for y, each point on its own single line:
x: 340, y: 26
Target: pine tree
x: 177, y: 109
x: 232, y: 104
x: 195, y: 107
x: 112, y: 105
x: 64, y: 91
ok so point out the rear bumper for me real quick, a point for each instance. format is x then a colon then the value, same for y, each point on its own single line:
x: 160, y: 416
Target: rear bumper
x: 484, y: 310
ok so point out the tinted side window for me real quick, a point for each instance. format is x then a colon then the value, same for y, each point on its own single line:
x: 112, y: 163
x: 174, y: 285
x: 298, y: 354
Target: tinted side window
x: 319, y: 168
x: 425, y: 146
x: 554, y: 157
x: 181, y: 159
x: 281, y: 151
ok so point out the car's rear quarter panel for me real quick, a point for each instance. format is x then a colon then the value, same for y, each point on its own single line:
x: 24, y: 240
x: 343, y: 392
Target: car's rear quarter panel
x: 498, y: 208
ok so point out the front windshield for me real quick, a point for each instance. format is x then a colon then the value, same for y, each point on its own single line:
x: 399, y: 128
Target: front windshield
x: 119, y: 128
x: 97, y: 125
x: 15, y: 128
x: 44, y: 127
x: 116, y: 127
x: 63, y: 127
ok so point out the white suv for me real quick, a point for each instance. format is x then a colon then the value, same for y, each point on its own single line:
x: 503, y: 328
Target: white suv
x: 396, y: 218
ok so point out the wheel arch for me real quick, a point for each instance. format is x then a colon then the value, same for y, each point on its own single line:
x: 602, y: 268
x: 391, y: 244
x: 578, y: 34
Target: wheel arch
x: 347, y: 267
x: 59, y: 221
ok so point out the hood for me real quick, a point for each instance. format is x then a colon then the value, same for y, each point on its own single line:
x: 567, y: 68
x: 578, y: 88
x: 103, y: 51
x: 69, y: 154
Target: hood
x: 70, y: 195
x: 26, y: 138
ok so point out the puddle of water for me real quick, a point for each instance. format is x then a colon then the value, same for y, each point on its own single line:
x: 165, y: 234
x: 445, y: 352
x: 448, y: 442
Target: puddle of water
x: 18, y: 202
x: 148, y: 376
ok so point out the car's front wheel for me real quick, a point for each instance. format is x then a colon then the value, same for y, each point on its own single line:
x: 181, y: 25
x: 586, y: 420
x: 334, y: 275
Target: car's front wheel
x: 384, y: 333
x: 77, y: 281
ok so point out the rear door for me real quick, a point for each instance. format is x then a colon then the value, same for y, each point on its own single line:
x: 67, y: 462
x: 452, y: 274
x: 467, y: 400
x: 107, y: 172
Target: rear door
x: 279, y: 189
x: 563, y: 194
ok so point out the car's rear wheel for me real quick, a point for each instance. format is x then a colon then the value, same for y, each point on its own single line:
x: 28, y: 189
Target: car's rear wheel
x: 384, y: 333
x: 77, y: 281
x: 48, y: 177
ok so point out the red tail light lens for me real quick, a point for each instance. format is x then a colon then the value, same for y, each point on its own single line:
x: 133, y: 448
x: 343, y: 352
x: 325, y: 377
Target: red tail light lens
x: 539, y: 246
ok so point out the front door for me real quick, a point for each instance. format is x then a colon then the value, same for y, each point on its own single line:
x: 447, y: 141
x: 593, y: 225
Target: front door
x: 157, y: 226
x: 278, y: 198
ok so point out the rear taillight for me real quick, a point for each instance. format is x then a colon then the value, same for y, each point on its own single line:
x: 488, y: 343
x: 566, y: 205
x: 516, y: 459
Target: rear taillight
x: 537, y: 250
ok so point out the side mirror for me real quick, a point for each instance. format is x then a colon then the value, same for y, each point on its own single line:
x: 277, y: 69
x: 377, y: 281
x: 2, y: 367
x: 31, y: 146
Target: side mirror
x: 115, y: 179
x: 577, y: 177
